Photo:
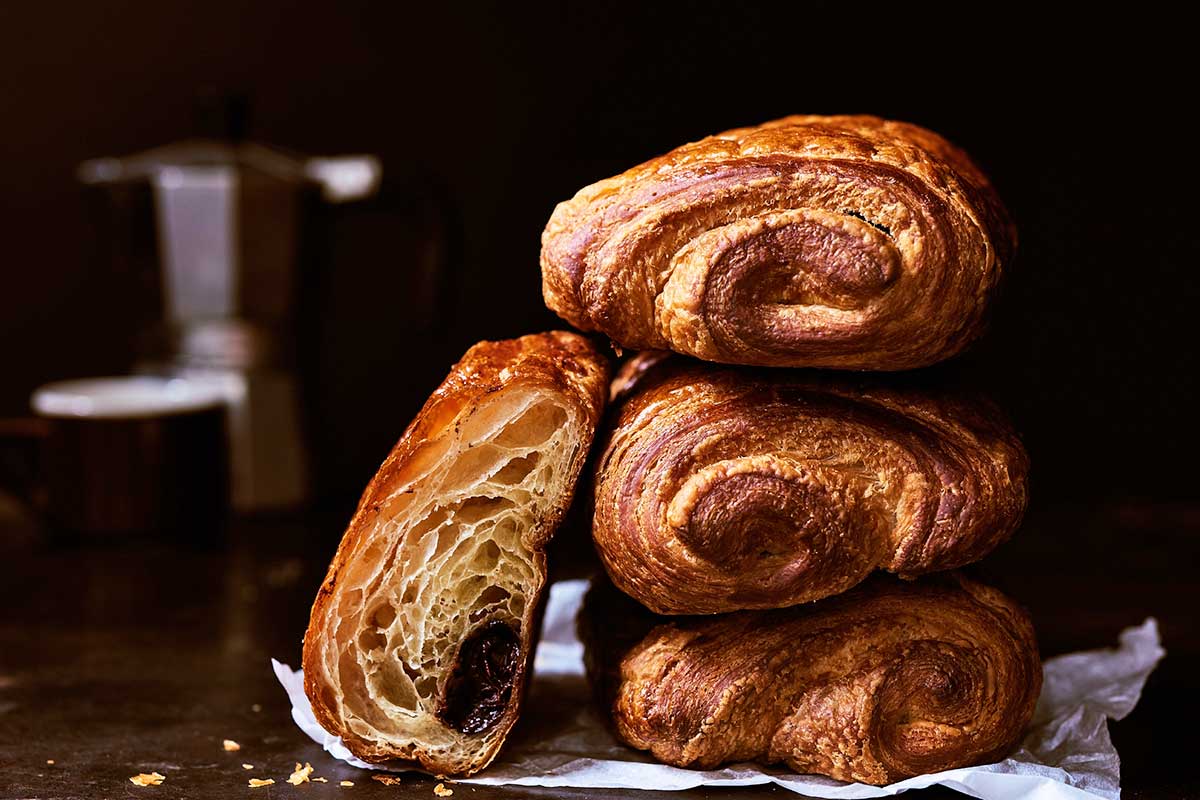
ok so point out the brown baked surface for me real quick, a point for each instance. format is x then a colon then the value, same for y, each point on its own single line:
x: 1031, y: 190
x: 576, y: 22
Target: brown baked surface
x: 723, y: 488
x: 889, y: 680
x: 420, y: 638
x: 850, y: 241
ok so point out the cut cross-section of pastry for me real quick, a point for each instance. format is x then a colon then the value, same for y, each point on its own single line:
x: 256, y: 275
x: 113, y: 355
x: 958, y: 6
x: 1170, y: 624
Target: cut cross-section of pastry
x: 421, y: 635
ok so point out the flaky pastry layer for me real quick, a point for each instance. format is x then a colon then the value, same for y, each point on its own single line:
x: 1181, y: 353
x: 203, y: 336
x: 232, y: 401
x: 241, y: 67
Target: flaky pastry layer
x: 887, y: 681
x: 848, y: 241
x: 722, y: 488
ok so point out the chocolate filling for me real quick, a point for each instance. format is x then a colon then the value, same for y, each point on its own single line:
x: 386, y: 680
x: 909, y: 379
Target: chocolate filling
x: 481, y: 684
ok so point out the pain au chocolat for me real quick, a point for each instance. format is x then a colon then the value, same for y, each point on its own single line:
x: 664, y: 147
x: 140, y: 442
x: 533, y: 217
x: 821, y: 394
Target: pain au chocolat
x: 849, y: 242
x: 420, y: 637
x: 889, y: 680
x: 724, y: 488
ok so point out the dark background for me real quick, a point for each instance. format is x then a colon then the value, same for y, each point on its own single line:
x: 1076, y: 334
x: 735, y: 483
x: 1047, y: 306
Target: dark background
x: 122, y: 660
x: 490, y: 114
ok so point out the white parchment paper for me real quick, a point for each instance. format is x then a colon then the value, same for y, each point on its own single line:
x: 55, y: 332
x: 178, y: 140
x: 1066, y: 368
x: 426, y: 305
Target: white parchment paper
x: 560, y: 740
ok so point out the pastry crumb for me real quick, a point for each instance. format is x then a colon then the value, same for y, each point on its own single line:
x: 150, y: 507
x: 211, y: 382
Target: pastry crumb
x: 346, y: 783
x: 300, y: 774
x: 49, y: 760
x: 319, y: 780
x: 256, y: 708
x: 247, y: 766
x: 441, y: 791
x: 387, y: 780
x: 230, y: 745
x: 142, y: 779
x: 257, y: 782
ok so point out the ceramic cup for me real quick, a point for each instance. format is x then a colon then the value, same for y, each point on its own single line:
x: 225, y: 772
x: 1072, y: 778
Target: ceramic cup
x: 133, y: 454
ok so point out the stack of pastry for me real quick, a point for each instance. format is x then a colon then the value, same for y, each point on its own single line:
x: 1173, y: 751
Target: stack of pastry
x: 779, y: 543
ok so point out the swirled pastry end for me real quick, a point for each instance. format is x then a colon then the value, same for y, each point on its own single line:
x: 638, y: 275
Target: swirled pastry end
x: 851, y: 242
x: 420, y: 637
x: 723, y: 488
x: 887, y: 681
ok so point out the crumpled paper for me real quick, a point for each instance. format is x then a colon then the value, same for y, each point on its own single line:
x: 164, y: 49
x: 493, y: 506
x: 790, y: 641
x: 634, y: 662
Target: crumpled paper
x: 561, y: 741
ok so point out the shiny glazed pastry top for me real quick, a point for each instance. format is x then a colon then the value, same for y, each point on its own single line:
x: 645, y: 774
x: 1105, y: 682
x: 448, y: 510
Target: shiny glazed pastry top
x: 420, y: 638
x: 851, y: 242
x: 890, y: 680
x: 723, y: 488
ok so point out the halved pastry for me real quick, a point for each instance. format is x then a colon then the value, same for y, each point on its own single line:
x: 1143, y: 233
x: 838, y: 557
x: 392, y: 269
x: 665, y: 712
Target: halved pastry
x: 421, y: 635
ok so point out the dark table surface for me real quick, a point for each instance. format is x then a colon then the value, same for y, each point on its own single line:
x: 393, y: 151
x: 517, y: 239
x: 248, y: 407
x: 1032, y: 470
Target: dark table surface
x: 143, y: 656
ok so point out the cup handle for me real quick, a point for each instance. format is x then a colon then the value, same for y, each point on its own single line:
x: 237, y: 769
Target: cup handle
x: 20, y: 446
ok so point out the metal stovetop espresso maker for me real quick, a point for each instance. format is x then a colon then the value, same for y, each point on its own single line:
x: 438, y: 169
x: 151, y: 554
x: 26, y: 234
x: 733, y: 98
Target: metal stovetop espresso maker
x: 229, y: 255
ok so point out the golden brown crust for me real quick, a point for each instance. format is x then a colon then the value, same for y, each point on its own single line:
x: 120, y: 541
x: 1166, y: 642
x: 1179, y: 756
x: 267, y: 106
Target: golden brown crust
x: 721, y: 488
x: 851, y: 242
x: 887, y: 681
x: 561, y: 367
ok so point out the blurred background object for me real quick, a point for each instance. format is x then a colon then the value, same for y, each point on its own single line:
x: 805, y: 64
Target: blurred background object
x: 225, y: 257
x: 106, y: 458
x: 134, y: 455
x: 484, y: 117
